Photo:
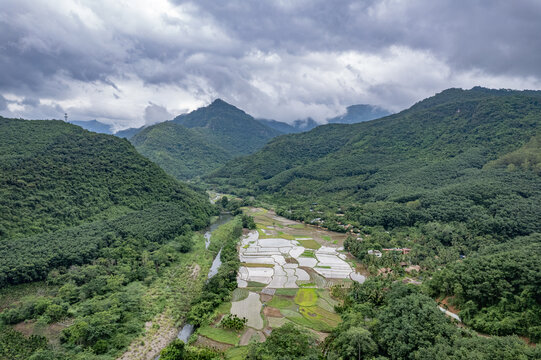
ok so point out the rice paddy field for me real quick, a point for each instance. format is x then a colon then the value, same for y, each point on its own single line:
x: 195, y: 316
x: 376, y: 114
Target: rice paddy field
x: 287, y: 269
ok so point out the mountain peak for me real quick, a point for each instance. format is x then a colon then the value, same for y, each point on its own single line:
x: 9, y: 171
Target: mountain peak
x: 219, y: 103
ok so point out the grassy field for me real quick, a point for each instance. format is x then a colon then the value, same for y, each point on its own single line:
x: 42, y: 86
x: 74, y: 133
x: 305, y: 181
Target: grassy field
x: 318, y: 314
x: 306, y: 297
x: 309, y: 244
x: 311, y: 323
x: 12, y: 294
x: 283, y: 235
x: 179, y: 285
x: 221, y: 335
x: 277, y: 322
x: 308, y: 253
x: 255, y: 284
x: 225, y: 307
x: 280, y: 302
x: 326, y: 237
x: 237, y: 353
x: 286, y: 292
x: 325, y: 301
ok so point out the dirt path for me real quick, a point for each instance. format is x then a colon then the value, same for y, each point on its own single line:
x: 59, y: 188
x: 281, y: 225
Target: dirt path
x: 195, y: 271
x: 158, y: 333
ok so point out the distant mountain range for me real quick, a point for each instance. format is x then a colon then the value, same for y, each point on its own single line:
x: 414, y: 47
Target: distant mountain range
x: 95, y: 126
x: 128, y: 133
x: 196, y: 143
x: 354, y: 114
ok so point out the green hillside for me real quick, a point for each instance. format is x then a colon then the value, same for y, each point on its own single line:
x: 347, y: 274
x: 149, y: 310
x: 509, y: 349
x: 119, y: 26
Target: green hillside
x: 91, y: 232
x: 197, y: 143
x: 225, y: 125
x: 180, y: 151
x: 54, y: 175
x: 454, y: 177
x: 426, y: 163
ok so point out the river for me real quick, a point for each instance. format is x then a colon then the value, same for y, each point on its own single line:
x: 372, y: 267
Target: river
x: 222, y: 219
x: 188, y: 329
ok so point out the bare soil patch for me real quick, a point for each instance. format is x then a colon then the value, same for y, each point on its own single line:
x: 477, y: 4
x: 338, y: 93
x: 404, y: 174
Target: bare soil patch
x: 212, y: 344
x: 157, y: 337
x: 249, y: 334
x: 195, y: 271
x: 272, y: 312
x: 26, y: 327
x: 290, y: 260
x: 451, y: 308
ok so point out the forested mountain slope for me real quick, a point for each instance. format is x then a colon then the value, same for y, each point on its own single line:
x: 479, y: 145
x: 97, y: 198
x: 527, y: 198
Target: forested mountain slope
x: 180, y: 151
x: 55, y: 176
x: 196, y: 143
x: 95, y: 227
x: 427, y: 163
x: 228, y: 127
x: 455, y: 180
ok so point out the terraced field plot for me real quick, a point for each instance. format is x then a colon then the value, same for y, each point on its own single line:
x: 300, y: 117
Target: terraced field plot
x: 282, y: 262
x: 285, y: 274
x: 283, y: 255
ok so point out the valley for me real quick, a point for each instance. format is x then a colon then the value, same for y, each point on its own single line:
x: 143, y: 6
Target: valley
x: 270, y: 180
x: 276, y: 284
x: 405, y: 236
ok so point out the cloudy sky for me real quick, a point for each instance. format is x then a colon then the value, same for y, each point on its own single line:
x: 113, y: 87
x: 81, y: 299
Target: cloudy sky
x: 135, y: 62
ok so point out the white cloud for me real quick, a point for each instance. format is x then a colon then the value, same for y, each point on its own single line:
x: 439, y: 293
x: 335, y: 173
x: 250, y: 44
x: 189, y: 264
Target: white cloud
x: 108, y: 60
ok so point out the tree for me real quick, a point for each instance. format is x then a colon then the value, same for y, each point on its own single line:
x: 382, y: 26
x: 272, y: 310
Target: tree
x: 355, y: 343
x: 248, y: 222
x: 174, y: 351
x: 410, y: 323
x: 287, y: 342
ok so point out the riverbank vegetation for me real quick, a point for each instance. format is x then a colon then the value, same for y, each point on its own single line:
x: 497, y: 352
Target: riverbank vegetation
x: 218, y: 289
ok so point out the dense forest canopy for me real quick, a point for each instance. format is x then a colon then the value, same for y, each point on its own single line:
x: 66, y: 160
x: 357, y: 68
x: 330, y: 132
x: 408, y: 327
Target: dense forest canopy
x: 95, y: 227
x: 60, y: 184
x: 229, y: 127
x: 448, y: 158
x: 182, y: 152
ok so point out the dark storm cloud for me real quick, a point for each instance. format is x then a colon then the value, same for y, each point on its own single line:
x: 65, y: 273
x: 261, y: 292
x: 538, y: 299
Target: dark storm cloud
x: 499, y: 36
x: 3, y: 103
x: 156, y: 113
x: 284, y: 59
